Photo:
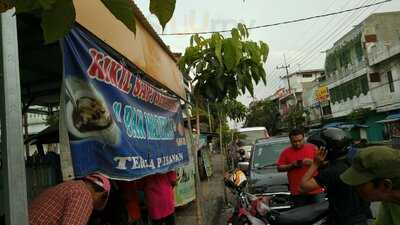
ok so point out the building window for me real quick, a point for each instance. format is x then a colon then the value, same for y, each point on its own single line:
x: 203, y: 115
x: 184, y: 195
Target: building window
x: 307, y: 75
x: 374, y: 77
x: 390, y: 81
x: 326, y: 110
x: 364, y: 84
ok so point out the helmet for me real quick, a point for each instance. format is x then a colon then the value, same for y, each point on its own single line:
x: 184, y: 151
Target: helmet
x: 335, y: 140
x: 236, y: 179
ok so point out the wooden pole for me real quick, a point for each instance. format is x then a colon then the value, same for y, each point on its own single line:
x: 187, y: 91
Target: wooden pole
x: 223, y: 156
x: 199, y: 194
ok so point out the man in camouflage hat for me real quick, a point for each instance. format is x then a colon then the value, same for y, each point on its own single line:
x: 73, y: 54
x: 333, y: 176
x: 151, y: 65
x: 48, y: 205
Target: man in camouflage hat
x: 375, y: 172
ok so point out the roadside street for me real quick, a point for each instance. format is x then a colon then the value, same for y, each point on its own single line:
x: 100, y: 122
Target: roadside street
x: 212, y: 198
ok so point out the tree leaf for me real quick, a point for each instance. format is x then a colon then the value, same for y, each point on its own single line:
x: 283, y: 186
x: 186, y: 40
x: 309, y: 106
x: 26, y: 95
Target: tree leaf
x: 263, y: 74
x: 218, y: 52
x: 243, y: 30
x: 250, y: 87
x: 235, y: 34
x: 229, y: 55
x: 163, y: 9
x: 123, y: 11
x: 264, y: 50
x: 58, y: 20
x: 255, y: 74
x: 22, y: 6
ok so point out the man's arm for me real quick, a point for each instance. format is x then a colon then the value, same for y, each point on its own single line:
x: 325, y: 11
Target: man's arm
x: 308, y: 183
x: 285, y: 168
x: 283, y: 164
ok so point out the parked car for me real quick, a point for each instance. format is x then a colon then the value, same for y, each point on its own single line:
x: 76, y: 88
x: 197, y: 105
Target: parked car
x: 264, y: 178
x: 248, y: 137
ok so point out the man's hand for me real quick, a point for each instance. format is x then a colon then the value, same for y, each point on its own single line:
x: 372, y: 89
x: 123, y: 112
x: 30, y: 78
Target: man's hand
x: 297, y: 164
x: 320, y: 157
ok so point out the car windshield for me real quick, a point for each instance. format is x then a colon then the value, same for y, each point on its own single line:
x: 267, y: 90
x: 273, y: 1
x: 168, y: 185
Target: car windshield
x: 250, y: 137
x: 268, y: 153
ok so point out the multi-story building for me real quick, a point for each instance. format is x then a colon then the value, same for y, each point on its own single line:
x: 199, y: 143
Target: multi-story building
x: 363, y: 72
x: 292, y: 94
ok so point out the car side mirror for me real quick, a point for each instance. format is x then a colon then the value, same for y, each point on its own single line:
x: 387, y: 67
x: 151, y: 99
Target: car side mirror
x: 244, y: 166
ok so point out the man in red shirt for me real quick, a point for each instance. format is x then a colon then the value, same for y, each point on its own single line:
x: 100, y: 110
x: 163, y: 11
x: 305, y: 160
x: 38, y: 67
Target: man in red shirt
x: 71, y: 202
x: 295, y: 160
x: 160, y: 201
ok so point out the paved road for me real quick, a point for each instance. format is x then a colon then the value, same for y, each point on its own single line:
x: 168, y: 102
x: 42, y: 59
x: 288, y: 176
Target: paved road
x: 212, y: 199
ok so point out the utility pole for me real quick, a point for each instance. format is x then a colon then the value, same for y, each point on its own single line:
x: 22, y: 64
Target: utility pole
x: 286, y: 67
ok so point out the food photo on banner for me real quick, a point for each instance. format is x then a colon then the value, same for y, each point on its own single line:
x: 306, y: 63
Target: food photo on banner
x: 118, y: 123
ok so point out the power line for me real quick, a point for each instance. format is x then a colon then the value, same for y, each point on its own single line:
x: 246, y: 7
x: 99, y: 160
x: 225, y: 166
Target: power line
x: 338, y: 32
x: 280, y: 23
x: 330, y: 36
x: 320, y: 37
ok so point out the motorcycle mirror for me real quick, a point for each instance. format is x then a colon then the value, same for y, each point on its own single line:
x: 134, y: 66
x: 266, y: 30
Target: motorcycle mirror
x: 244, y: 166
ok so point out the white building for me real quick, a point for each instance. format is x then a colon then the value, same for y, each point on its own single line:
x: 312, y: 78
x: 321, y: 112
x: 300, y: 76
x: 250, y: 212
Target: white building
x: 363, y: 71
x: 295, y: 83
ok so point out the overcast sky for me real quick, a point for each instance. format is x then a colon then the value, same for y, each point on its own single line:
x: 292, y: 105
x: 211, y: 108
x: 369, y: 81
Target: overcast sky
x: 303, y: 43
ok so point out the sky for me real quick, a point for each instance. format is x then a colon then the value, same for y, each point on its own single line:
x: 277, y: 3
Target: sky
x: 302, y: 43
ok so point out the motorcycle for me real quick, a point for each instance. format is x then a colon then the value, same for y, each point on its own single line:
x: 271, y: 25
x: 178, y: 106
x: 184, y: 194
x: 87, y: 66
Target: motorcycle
x: 255, y: 210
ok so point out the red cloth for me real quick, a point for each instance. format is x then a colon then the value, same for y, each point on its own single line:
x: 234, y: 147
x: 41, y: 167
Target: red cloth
x: 159, y: 194
x: 132, y: 201
x: 65, y: 204
x: 290, y: 155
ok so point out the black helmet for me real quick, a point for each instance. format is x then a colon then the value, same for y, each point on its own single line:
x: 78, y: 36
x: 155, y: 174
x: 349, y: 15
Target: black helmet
x: 335, y: 140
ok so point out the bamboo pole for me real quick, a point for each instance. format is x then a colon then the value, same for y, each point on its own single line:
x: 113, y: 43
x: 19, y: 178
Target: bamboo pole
x: 224, y: 159
x: 199, y: 194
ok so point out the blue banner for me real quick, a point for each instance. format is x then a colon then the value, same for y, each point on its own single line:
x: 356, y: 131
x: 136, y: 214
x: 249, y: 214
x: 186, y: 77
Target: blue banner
x: 118, y: 123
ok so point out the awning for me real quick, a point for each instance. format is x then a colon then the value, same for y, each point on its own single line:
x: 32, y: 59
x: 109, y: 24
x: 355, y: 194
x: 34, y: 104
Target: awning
x: 351, y: 126
x: 343, y: 125
x: 390, y: 118
x: 335, y: 124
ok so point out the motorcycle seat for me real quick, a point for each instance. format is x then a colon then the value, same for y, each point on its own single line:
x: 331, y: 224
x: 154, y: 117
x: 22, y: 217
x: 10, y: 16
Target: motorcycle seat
x: 305, y: 215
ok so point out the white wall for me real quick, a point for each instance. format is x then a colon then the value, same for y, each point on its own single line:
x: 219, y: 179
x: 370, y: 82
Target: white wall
x: 344, y: 108
x: 386, y: 27
x: 386, y: 100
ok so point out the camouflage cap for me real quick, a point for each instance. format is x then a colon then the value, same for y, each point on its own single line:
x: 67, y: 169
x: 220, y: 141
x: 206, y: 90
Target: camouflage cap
x: 371, y: 163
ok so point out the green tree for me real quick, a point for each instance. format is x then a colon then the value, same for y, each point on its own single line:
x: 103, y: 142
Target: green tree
x: 295, y: 118
x: 58, y: 16
x: 224, y: 68
x: 264, y: 113
x: 230, y: 108
x: 221, y: 111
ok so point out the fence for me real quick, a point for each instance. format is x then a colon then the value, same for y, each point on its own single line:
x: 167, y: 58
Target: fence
x: 40, y: 174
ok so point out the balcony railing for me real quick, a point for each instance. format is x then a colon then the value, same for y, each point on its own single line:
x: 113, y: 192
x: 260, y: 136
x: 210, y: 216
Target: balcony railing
x: 382, y: 52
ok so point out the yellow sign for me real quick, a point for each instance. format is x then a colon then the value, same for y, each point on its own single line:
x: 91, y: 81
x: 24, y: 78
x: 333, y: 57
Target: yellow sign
x: 322, y: 94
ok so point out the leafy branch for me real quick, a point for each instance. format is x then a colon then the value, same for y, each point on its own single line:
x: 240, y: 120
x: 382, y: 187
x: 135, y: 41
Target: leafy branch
x: 225, y: 67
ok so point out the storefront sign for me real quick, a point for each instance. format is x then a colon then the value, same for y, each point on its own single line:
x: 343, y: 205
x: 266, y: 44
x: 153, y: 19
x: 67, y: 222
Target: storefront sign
x: 118, y: 123
x: 322, y: 94
x: 185, y: 188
